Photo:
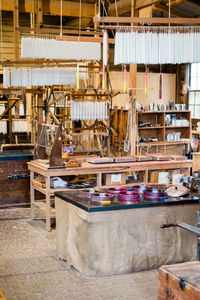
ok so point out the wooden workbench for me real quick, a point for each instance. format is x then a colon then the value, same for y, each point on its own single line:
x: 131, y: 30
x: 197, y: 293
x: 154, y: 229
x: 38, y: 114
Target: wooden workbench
x: 40, y: 168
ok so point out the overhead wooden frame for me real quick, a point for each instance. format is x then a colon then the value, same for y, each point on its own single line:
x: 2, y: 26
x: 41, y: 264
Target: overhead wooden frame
x: 138, y: 20
x: 84, y: 39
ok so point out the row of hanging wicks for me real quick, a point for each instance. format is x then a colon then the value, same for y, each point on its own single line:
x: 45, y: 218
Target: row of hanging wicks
x: 39, y: 76
x: 157, y: 45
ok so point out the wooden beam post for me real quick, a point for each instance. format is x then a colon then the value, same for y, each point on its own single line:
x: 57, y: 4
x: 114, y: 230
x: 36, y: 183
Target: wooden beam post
x: 40, y: 109
x: 133, y: 73
x: 16, y: 28
x: 39, y: 17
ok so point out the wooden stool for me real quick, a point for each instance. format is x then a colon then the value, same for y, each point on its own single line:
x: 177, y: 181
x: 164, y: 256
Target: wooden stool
x: 179, y: 282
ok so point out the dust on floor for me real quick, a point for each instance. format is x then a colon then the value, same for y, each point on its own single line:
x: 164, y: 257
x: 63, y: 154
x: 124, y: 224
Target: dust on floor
x: 30, y: 269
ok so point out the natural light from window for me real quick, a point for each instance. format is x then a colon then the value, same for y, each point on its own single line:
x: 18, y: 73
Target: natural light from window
x: 194, y: 93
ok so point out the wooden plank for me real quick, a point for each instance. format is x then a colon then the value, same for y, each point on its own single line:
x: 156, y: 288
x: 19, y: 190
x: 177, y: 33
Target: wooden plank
x: 8, y: 109
x: 119, y: 7
x: 84, y: 39
x: 16, y: 25
x: 175, y: 2
x: 88, y: 168
x: 52, y: 7
x: 173, y: 12
x: 65, y: 31
x: 139, y: 20
x: 39, y: 16
x: 144, y: 3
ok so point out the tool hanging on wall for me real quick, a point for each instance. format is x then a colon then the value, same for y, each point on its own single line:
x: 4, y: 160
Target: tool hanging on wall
x: 127, y: 143
x: 160, y: 85
x: 89, y: 110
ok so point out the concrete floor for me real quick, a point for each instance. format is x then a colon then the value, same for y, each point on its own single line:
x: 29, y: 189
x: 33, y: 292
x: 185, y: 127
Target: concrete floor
x: 30, y: 269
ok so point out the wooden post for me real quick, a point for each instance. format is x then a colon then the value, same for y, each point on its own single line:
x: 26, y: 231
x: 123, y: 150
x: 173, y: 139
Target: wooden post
x: 40, y: 109
x: 16, y: 28
x: 39, y: 17
x: 133, y: 132
x: 11, y: 140
x: 133, y: 73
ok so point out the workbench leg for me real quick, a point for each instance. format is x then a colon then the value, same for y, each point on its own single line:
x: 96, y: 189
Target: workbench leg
x: 187, y: 172
x: 48, y: 204
x: 99, y: 180
x: 32, y: 193
x: 108, y: 146
x: 146, y: 177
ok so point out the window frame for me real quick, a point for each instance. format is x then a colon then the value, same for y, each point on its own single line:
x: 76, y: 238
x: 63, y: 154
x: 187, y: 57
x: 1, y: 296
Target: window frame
x: 193, y: 91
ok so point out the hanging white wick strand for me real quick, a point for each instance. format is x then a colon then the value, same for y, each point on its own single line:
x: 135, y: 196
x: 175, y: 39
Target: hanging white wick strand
x: 61, y: 7
x: 1, y: 25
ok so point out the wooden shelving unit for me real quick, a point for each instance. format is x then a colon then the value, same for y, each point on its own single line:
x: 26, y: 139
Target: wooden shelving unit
x: 156, y: 128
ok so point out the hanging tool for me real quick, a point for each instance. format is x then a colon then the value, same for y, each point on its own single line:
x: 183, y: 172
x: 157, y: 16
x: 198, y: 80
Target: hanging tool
x: 127, y: 143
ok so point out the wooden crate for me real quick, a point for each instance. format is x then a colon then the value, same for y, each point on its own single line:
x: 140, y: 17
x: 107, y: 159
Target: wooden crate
x: 179, y: 282
x: 14, y: 191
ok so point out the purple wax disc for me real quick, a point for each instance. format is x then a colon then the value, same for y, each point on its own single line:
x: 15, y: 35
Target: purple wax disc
x: 128, y: 196
x: 99, y: 197
x: 88, y: 193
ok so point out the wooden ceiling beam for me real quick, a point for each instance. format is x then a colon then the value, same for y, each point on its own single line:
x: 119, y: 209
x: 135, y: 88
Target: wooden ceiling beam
x: 129, y: 20
x: 194, y: 2
x: 85, y: 22
x: 123, y: 6
x: 175, y: 2
x: 165, y: 9
x: 144, y: 3
x: 47, y: 30
x: 52, y: 7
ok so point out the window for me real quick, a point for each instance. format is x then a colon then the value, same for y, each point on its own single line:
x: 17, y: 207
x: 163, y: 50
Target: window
x: 194, y: 93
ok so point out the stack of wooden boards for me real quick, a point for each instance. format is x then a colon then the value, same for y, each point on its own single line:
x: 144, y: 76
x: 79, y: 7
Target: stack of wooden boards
x: 133, y: 158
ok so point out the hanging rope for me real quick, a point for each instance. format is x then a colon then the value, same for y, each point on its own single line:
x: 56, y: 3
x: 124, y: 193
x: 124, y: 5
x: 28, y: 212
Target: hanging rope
x: 104, y: 9
x: 61, y: 11
x: 80, y: 18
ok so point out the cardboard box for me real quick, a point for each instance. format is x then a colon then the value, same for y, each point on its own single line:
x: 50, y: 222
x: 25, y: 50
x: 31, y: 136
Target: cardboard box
x: 114, y: 179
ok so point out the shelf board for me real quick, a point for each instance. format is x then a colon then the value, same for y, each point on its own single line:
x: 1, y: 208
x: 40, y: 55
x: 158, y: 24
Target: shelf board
x: 123, y: 185
x: 161, y: 112
x: 162, y: 143
x: 150, y: 112
x: 167, y: 127
x: 42, y: 207
x: 156, y: 127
